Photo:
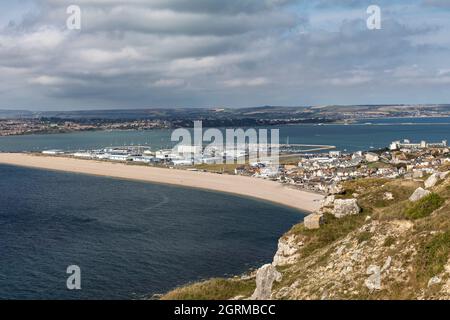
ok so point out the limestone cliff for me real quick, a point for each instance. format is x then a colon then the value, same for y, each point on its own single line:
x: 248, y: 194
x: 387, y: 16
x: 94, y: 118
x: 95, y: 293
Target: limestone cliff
x: 373, y: 242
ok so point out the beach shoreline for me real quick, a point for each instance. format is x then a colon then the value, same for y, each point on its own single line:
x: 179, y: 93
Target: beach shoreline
x: 255, y: 188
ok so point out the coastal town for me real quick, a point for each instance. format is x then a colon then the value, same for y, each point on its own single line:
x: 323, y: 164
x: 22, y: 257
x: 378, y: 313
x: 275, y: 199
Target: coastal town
x: 321, y: 172
x: 18, y: 127
x: 23, y: 122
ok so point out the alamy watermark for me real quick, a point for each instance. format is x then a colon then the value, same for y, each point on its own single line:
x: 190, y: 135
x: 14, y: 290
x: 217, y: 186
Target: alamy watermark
x: 74, y: 280
x: 229, y: 146
x: 374, y: 20
x: 73, y: 22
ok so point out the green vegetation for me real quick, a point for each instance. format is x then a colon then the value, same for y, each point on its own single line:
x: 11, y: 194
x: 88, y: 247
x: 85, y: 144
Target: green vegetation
x: 364, y: 236
x: 389, y: 241
x: 433, y: 255
x: 332, y: 230
x: 421, y: 246
x: 213, y: 289
x: 372, y: 194
x: 424, y: 207
x: 218, y: 168
x: 376, y: 165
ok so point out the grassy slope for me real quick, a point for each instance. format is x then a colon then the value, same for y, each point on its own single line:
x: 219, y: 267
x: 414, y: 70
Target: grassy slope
x: 428, y: 239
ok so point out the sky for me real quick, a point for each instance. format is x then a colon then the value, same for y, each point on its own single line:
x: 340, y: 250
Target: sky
x: 214, y: 53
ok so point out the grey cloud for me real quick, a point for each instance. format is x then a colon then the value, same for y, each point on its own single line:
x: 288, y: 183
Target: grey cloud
x: 204, y: 53
x: 437, y: 3
x: 196, y: 6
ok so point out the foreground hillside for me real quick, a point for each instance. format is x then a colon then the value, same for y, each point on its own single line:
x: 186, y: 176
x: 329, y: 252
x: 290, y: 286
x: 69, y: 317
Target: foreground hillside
x: 394, y: 248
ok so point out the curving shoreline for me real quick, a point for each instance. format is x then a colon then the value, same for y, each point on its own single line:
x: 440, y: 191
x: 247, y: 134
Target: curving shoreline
x: 239, y: 185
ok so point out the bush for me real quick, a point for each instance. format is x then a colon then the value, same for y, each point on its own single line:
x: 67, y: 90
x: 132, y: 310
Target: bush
x: 364, y: 236
x: 433, y: 256
x: 332, y: 230
x: 425, y: 206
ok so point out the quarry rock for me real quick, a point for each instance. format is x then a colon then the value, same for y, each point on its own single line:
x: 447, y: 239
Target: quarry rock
x: 419, y: 194
x: 328, y: 201
x: 335, y: 189
x: 313, y: 221
x: 432, y: 180
x: 444, y: 175
x: 433, y: 281
x: 265, y: 278
x: 345, y: 207
x: 388, y: 196
x: 372, y: 157
x: 287, y: 251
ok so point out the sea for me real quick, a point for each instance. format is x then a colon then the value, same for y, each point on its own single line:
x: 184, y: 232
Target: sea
x: 132, y: 240
x: 362, y: 135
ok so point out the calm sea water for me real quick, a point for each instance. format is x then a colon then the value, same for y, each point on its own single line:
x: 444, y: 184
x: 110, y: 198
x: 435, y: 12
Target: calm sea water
x: 359, y: 136
x: 130, y: 239
x: 134, y: 239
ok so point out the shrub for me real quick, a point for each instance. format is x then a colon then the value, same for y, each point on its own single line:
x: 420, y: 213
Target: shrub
x: 364, y: 236
x: 433, y: 255
x: 332, y: 230
x: 389, y: 241
x: 425, y: 206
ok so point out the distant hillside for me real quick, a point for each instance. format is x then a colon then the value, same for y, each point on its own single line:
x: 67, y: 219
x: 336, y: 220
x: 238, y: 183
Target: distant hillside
x: 218, y: 113
x: 15, y: 114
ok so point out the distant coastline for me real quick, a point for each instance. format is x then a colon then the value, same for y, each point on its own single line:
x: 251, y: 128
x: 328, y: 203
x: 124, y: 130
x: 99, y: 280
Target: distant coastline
x: 239, y: 185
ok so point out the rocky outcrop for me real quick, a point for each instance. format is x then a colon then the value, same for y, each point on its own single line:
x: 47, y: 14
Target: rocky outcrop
x: 432, y: 180
x: 388, y: 196
x: 287, y: 251
x: 444, y: 175
x: 313, y: 221
x: 328, y: 201
x: 345, y: 207
x: 419, y: 194
x: 265, y: 277
x: 352, y: 269
x: 372, y: 157
x: 433, y: 281
x: 373, y: 282
x: 335, y: 189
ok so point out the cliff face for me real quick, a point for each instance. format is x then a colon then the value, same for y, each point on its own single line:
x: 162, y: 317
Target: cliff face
x: 394, y: 248
x: 362, y: 264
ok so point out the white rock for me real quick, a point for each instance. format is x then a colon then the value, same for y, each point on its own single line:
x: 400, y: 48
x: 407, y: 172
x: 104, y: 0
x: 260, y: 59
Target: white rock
x: 388, y: 196
x: 419, y: 194
x: 335, y: 189
x: 444, y: 175
x: 287, y: 251
x: 433, y: 281
x: 372, y: 157
x: 328, y: 201
x: 313, y: 221
x: 387, y: 264
x: 432, y: 180
x: 345, y: 207
x: 265, y: 278
x: 374, y: 281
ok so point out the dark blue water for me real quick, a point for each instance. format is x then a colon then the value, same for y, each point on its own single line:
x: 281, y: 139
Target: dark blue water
x: 366, y: 134
x: 378, y: 133
x: 130, y: 239
x: 135, y: 239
